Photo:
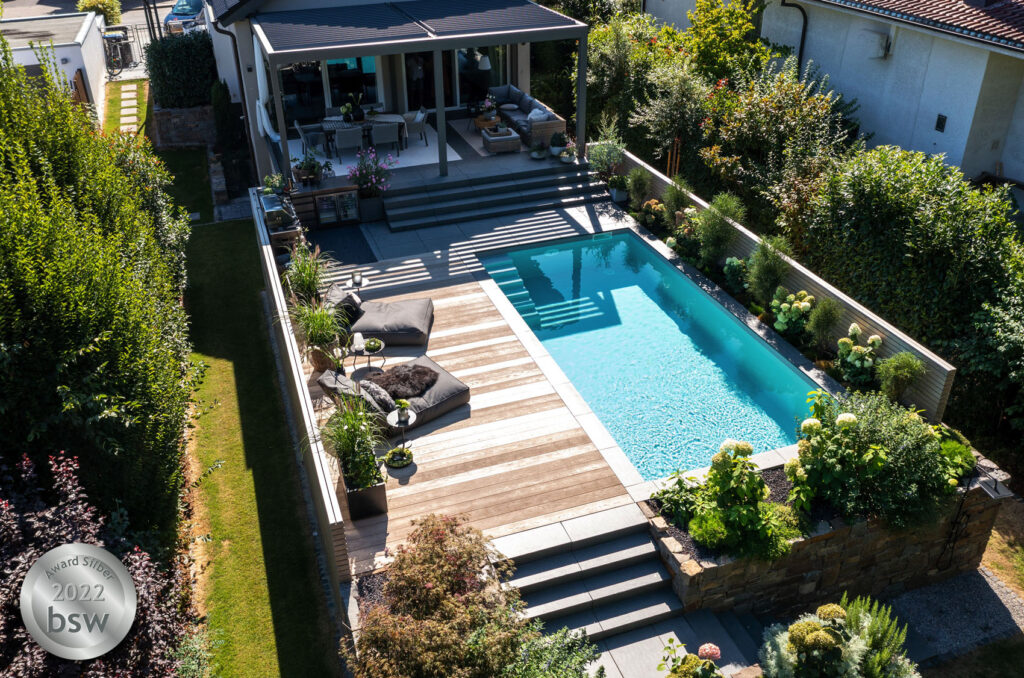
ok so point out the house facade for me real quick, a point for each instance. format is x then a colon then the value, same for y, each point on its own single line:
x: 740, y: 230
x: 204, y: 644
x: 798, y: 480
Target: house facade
x: 939, y: 76
x: 313, y: 55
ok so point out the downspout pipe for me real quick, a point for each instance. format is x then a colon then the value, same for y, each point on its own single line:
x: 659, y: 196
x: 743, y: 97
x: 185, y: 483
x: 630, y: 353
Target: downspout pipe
x: 803, y: 32
x: 241, y: 91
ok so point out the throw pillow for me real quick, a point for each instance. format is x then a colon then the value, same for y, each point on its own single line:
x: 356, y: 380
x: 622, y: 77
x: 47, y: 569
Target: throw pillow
x: 350, y: 305
x: 537, y: 114
x: 526, y: 103
x: 405, y: 381
x: 379, y: 395
x: 515, y: 94
x: 508, y: 107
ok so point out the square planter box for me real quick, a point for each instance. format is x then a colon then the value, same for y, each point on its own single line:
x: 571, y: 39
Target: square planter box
x: 367, y: 502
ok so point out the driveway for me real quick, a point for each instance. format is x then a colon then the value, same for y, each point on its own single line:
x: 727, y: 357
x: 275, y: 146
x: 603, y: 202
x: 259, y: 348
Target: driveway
x: 131, y: 10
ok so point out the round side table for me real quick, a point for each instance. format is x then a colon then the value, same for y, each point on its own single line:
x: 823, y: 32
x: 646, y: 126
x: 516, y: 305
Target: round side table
x: 393, y: 422
x: 362, y: 352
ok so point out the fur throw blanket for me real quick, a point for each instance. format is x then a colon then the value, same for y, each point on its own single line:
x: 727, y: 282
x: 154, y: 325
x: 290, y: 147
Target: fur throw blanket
x: 405, y: 381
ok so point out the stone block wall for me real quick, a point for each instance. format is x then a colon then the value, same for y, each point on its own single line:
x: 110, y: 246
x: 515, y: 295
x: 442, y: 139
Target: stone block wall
x: 182, y: 127
x: 862, y: 558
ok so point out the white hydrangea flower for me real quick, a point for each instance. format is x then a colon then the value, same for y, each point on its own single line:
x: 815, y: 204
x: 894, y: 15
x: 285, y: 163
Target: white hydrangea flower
x: 874, y: 340
x: 810, y: 426
x: 846, y: 420
x: 854, y: 330
x: 728, y: 445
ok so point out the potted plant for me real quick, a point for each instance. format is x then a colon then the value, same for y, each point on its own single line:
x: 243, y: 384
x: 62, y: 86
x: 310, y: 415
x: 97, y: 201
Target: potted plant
x: 558, y: 143
x: 605, y: 156
x: 501, y: 129
x: 370, y: 174
x: 403, y: 410
x: 490, y: 107
x: 373, y: 345
x: 273, y: 183
x: 318, y: 326
x: 537, y: 151
x: 351, y: 434
x: 308, y: 169
x: 568, y: 155
x: 617, y: 186
x: 398, y: 457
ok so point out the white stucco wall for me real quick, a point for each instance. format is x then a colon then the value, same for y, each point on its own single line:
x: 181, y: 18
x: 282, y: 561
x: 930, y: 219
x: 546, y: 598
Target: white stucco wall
x: 993, y: 115
x: 900, y: 96
x: 671, y: 11
x: 1013, y: 150
x: 223, y: 52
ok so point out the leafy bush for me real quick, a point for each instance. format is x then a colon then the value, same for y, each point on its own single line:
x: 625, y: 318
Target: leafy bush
x: 39, y: 513
x: 728, y: 510
x: 866, y: 456
x: 858, y: 640
x: 718, y: 38
x: 735, y: 271
x: 305, y: 275
x: 181, y: 69
x: 712, y: 228
x: 898, y: 372
x: 676, y: 199
x: 767, y: 268
x: 792, y: 312
x: 605, y: 155
x: 856, y: 362
x: 110, y: 10
x: 639, y: 183
x: 351, y: 434
x: 911, y: 238
x: 956, y: 450
x: 444, y: 614
x: 618, y: 182
x: 674, y: 111
x: 823, y: 319
x: 94, y: 356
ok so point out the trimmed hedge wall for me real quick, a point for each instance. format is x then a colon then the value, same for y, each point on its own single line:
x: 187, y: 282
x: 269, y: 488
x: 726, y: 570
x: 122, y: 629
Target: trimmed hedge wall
x: 181, y: 69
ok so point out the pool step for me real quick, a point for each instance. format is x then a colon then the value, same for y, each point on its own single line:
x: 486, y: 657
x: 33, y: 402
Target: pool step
x: 601, y: 574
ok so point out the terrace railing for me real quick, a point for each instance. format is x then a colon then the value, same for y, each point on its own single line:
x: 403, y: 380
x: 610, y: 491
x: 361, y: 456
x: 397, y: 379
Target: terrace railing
x: 929, y: 393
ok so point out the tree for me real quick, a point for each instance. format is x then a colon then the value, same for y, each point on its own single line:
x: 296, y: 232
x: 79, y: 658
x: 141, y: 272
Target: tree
x: 93, y: 339
x: 719, y: 39
x: 36, y: 517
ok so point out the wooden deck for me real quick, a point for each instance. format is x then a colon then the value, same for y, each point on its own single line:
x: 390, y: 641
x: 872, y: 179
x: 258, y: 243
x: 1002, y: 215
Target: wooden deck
x: 513, y: 459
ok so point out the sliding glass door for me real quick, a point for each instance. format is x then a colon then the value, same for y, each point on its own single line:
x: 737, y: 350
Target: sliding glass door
x: 420, y: 77
x: 480, y: 68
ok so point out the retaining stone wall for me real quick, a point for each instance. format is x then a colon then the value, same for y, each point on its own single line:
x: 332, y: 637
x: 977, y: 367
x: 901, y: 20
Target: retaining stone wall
x: 862, y: 558
x: 182, y: 127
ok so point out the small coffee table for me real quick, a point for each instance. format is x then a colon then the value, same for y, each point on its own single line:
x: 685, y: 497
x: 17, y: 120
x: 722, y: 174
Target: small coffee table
x: 362, y: 352
x: 482, y: 122
x: 393, y: 422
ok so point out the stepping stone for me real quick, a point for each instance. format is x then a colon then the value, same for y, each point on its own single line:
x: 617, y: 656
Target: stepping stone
x: 130, y: 111
x: 129, y: 128
x: 129, y: 120
x: 133, y: 86
x: 129, y: 96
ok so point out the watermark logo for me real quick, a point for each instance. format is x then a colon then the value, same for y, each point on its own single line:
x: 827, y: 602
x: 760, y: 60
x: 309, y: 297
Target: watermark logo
x: 78, y: 601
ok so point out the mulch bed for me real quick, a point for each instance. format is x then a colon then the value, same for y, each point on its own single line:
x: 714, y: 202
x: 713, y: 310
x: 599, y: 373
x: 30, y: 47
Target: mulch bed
x: 370, y: 589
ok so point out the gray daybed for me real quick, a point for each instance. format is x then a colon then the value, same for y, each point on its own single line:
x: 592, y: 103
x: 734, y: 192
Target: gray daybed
x: 396, y: 323
x: 446, y: 394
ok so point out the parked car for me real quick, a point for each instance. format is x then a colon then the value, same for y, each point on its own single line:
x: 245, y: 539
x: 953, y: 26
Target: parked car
x: 188, y: 13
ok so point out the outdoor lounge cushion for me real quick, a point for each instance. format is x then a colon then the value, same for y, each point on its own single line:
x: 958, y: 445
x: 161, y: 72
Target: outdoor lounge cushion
x: 537, y: 115
x: 445, y: 395
x: 509, y: 107
x: 379, y: 395
x: 340, y: 386
x: 405, y: 381
x: 344, y: 300
x: 396, y: 323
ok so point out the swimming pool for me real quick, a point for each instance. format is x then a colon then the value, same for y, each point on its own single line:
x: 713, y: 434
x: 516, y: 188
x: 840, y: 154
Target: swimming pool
x: 667, y: 369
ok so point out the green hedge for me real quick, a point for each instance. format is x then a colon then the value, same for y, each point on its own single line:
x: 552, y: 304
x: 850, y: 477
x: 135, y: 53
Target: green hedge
x: 93, y: 338
x: 181, y: 69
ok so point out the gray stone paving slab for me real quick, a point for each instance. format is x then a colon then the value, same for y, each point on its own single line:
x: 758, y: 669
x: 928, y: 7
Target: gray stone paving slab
x: 623, y: 518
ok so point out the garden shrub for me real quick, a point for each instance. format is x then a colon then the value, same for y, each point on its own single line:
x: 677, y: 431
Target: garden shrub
x: 712, y: 227
x: 305, y: 276
x: 911, y: 238
x: 866, y: 456
x: 444, y: 614
x: 676, y: 199
x: 225, y: 122
x: 681, y: 664
x: 638, y: 182
x: 41, y: 510
x: 767, y: 268
x: 181, y: 69
x: 351, y: 434
x: 791, y: 313
x: 605, y: 155
x: 898, y: 372
x: 735, y: 271
x: 110, y: 10
x: 94, y: 353
x: 717, y: 40
x: 674, y: 111
x: 823, y: 319
x: 856, y: 362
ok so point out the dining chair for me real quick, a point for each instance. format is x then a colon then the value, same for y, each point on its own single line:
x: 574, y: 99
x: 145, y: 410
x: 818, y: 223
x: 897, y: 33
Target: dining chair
x: 311, y: 137
x: 415, y: 123
x: 348, y: 137
x: 386, y: 133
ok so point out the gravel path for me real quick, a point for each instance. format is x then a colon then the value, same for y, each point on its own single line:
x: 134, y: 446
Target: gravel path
x: 955, y: 616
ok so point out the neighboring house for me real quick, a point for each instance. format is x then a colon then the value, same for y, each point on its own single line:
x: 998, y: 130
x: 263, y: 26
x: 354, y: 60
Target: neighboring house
x: 940, y: 76
x: 290, y: 61
x: 77, y: 46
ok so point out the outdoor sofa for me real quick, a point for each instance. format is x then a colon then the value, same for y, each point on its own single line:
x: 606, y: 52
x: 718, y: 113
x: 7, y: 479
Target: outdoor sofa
x: 446, y: 394
x: 516, y: 107
x: 396, y: 323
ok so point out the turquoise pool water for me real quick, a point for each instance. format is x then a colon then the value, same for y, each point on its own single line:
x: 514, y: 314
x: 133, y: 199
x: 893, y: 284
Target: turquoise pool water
x: 665, y: 367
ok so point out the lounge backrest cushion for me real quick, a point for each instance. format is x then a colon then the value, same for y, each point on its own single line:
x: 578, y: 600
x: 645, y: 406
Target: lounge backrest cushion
x: 537, y: 115
x: 515, y: 95
x: 396, y: 323
x: 339, y: 386
x: 526, y: 103
x: 500, y: 94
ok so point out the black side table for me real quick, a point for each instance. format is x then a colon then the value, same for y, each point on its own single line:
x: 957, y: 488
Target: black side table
x: 393, y: 422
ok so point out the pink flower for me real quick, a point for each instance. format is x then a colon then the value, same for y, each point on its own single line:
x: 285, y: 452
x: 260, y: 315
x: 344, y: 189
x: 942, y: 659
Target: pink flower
x: 709, y: 651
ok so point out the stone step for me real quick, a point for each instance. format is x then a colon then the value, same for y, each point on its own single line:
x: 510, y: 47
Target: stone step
x: 622, y: 615
x: 708, y: 628
x: 525, y: 207
x: 610, y: 555
x: 445, y: 183
x: 515, y: 196
x: 748, y: 647
x: 596, y: 590
x: 500, y: 185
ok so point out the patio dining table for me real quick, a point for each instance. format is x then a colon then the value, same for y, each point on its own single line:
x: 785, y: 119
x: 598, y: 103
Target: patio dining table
x: 336, y: 122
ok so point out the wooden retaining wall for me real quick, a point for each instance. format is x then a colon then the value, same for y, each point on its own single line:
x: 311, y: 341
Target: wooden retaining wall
x: 329, y: 512
x: 930, y: 393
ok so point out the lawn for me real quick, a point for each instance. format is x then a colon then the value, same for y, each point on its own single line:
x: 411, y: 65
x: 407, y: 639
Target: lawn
x: 191, y: 188
x: 112, y: 114
x: 260, y: 586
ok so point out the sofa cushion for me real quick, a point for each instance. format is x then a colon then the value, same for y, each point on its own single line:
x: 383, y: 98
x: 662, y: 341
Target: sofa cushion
x: 509, y: 107
x: 345, y: 301
x: 379, y: 395
x: 445, y: 395
x: 515, y: 95
x: 526, y: 103
x: 537, y: 115
x: 501, y: 94
x: 397, y: 323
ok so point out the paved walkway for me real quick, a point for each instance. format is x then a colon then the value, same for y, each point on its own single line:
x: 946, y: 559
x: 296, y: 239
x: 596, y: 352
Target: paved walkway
x: 130, y: 108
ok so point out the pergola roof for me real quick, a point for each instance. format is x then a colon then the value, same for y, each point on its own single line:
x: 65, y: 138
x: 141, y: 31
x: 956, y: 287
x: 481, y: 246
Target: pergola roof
x: 413, y: 26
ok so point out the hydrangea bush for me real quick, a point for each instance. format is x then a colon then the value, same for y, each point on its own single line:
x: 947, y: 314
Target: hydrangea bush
x: 791, y: 312
x: 856, y: 362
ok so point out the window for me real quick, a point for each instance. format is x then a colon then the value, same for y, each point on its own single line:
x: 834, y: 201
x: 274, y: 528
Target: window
x: 480, y: 68
x: 352, y: 77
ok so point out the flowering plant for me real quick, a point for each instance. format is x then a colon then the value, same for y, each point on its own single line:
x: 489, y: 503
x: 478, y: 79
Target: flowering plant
x: 489, y: 103
x: 856, y: 363
x: 791, y: 311
x: 371, y: 173
x: 680, y: 664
